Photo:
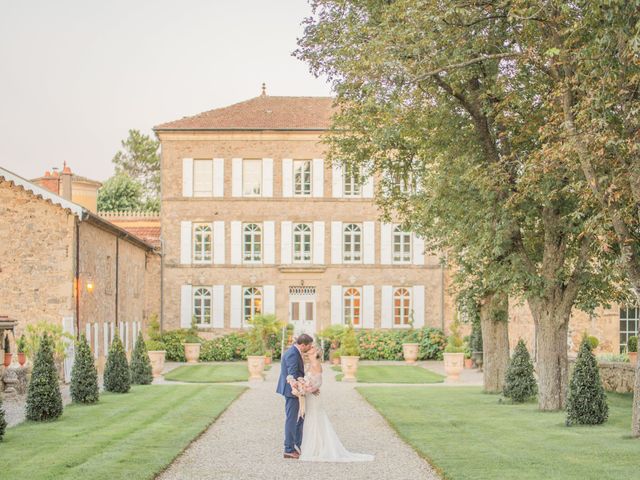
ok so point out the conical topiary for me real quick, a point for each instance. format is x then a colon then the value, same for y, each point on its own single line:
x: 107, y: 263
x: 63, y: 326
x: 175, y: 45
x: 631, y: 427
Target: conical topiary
x: 519, y: 383
x: 349, y: 345
x: 3, y: 422
x: 117, y: 376
x: 84, y: 376
x: 140, y: 363
x: 44, y: 401
x: 587, y: 402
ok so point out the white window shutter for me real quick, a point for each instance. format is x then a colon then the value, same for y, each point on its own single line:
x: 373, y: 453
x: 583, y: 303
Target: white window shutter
x: 336, y: 242
x: 185, y: 242
x: 269, y: 231
x: 218, y: 306
x: 287, y: 177
x: 96, y: 339
x: 218, y: 242
x: 369, y: 243
x: 367, y: 188
x: 236, y: 243
x: 418, y: 250
x: 386, y: 240
x: 386, y: 307
x: 87, y: 332
x: 121, y: 326
x: 218, y: 177
x: 318, y: 177
x: 187, y: 177
x: 236, y: 177
x: 318, y: 243
x: 336, y: 180
x: 267, y: 177
x: 336, y: 305
x: 368, y: 303
x: 236, y: 306
x: 105, y: 338
x: 186, y: 306
x: 285, y: 243
x: 269, y: 292
x: 418, y: 306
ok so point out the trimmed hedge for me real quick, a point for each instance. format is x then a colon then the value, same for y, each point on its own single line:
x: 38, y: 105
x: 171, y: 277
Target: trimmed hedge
x: 3, y: 422
x: 84, y: 376
x: 224, y: 349
x: 387, y: 344
x: 172, y: 342
x: 44, y: 400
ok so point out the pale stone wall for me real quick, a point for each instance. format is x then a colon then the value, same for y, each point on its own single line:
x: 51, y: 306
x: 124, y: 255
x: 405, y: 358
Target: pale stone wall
x: 152, y: 291
x: 617, y: 377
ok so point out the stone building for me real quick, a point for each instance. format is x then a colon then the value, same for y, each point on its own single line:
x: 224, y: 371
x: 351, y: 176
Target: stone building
x: 67, y: 184
x: 63, y: 264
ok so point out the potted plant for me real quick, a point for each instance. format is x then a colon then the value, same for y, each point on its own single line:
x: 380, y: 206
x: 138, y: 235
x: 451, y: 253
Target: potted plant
x: 349, y: 355
x: 454, y: 354
x: 410, y: 344
x: 7, y: 351
x: 255, y: 352
x: 632, y: 349
x: 269, y: 327
x: 157, y: 352
x: 22, y: 357
x: 192, y: 344
x: 331, y: 337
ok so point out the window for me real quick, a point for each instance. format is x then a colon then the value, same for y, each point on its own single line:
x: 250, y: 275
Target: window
x: 352, y: 243
x: 202, y: 241
x: 401, y: 307
x: 629, y: 324
x: 251, y: 303
x: 352, y: 306
x: 351, y: 183
x: 202, y: 178
x: 302, y: 243
x: 202, y: 305
x: 401, y: 245
x: 252, y: 243
x: 302, y: 177
x: 252, y: 178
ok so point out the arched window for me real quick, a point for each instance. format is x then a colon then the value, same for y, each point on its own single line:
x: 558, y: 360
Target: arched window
x: 251, y: 303
x: 401, y: 245
x: 252, y: 243
x: 202, y: 242
x: 401, y: 306
x: 352, y: 306
x: 202, y: 305
x: 302, y: 243
x: 352, y: 243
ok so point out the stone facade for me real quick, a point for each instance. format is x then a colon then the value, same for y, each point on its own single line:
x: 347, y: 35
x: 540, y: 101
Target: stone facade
x: 617, y: 377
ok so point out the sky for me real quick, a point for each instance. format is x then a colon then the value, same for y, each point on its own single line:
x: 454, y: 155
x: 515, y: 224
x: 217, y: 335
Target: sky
x: 76, y: 75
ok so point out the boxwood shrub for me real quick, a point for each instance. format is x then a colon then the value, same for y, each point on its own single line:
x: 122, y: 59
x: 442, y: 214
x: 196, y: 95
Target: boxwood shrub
x: 387, y: 344
x: 173, y: 341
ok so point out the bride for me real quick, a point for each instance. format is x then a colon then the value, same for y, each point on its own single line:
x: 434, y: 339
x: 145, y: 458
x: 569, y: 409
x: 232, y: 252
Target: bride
x: 320, y: 443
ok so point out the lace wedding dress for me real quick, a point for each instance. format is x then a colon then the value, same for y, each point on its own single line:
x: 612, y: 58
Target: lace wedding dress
x: 320, y: 443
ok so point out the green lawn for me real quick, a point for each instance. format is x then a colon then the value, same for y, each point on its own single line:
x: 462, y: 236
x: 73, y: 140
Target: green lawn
x: 211, y: 373
x: 393, y: 374
x: 468, y: 435
x: 131, y: 436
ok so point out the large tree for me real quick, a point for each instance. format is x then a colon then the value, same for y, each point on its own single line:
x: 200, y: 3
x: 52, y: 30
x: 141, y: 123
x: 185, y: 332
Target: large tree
x: 119, y: 194
x: 140, y: 159
x: 437, y: 94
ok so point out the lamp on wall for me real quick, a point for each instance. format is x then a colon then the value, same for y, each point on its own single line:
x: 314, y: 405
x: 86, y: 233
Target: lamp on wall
x: 89, y: 284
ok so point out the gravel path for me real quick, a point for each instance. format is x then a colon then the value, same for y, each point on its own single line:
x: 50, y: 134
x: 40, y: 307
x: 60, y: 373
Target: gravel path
x: 246, y: 441
x: 14, y: 406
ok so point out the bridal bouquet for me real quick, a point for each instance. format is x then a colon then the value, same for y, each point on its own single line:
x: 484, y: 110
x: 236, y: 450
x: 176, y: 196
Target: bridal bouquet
x: 299, y: 388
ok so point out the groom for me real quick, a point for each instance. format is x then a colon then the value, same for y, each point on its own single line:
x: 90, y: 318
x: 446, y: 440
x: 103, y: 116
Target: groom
x: 292, y: 368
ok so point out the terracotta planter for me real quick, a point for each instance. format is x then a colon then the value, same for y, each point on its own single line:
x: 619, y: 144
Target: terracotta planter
x: 453, y: 365
x: 410, y: 352
x: 7, y: 359
x: 468, y: 363
x: 157, y: 362
x: 192, y: 352
x: 633, y: 358
x: 267, y: 360
x: 256, y: 367
x: 22, y: 358
x: 349, y: 368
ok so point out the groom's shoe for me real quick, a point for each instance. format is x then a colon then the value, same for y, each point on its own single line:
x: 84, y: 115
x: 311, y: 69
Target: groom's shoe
x: 292, y: 455
x: 297, y: 449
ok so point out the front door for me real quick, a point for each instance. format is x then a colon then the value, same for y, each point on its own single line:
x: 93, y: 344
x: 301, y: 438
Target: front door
x: 302, y: 310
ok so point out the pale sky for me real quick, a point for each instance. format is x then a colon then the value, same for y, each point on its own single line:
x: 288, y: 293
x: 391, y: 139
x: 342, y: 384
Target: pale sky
x: 76, y: 75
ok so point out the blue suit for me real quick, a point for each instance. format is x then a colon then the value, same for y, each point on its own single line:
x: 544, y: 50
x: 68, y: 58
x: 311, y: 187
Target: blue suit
x: 291, y: 364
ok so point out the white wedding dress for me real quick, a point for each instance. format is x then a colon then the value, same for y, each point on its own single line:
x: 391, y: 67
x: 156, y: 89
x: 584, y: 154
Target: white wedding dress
x: 320, y: 443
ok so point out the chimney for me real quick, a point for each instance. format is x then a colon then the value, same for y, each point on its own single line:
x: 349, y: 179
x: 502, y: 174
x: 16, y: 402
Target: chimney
x: 49, y: 182
x: 65, y: 182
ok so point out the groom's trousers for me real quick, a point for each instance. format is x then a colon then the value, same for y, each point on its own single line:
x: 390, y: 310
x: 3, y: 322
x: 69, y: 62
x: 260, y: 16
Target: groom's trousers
x: 292, y: 426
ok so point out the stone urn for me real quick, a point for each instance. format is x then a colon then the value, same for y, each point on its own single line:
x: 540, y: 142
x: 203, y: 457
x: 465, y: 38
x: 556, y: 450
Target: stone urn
x: 410, y: 352
x: 157, y: 362
x: 256, y: 366
x: 453, y: 365
x: 192, y: 352
x: 633, y: 358
x: 349, y: 366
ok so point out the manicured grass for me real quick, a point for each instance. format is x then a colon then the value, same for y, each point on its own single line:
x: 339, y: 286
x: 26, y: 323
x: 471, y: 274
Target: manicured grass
x: 210, y: 373
x: 393, y: 374
x: 124, y: 436
x: 469, y: 435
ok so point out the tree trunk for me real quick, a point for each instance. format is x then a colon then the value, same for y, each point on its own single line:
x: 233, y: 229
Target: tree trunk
x: 494, y: 315
x: 635, y: 422
x: 552, y: 366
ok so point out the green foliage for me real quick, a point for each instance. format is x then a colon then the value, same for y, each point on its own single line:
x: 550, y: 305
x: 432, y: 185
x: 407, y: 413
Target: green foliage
x: 120, y: 193
x: 387, y: 344
x: 225, y: 349
x: 587, y: 401
x: 140, y: 160
x: 613, y: 357
x: 331, y: 336
x: 475, y: 341
x: 349, y: 345
x: 153, y: 328
x: 140, y: 363
x: 117, y: 375
x: 7, y: 345
x: 255, y: 339
x: 593, y: 342
x: 3, y: 421
x: 84, y: 376
x: 44, y: 401
x: 155, y: 345
x: 192, y: 335
x: 173, y: 342
x: 519, y: 383
x: 455, y: 343
x: 632, y: 344
x: 22, y: 344
x: 34, y: 333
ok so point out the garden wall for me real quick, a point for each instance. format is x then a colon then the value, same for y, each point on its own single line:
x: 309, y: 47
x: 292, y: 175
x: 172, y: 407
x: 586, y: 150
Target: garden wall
x: 617, y: 376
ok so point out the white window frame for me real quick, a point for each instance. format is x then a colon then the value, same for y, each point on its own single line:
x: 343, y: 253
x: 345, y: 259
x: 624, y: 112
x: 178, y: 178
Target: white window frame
x: 252, y: 242
x: 351, y: 186
x: 404, y: 311
x: 402, y: 239
x: 252, y: 303
x: 302, y: 181
x: 199, y: 252
x: 199, y: 178
x: 631, y: 315
x: 352, y: 238
x: 351, y: 311
x: 245, y: 191
x: 200, y: 309
x: 302, y: 236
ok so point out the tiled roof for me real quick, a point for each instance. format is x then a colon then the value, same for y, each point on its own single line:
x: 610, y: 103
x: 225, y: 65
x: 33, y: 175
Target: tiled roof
x: 261, y: 113
x: 150, y: 235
